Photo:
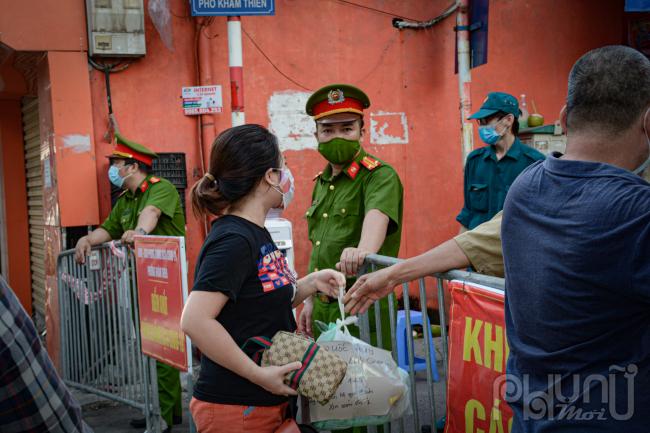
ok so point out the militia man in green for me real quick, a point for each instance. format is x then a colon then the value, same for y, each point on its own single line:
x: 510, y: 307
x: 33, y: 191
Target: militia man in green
x: 356, y: 205
x: 148, y: 205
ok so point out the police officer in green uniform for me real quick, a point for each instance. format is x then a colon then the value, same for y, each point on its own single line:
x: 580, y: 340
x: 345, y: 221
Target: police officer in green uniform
x: 148, y: 205
x: 356, y: 205
x: 490, y: 170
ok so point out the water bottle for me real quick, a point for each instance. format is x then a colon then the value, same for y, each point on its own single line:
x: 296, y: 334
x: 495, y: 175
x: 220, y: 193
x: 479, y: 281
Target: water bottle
x: 523, y: 117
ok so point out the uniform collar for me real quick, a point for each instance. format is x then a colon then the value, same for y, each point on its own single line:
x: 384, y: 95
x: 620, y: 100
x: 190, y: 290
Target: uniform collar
x: 141, y: 189
x: 514, y: 152
x: 351, y: 170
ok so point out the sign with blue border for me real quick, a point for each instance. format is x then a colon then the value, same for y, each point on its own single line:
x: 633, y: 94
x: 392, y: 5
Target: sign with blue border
x: 202, y: 8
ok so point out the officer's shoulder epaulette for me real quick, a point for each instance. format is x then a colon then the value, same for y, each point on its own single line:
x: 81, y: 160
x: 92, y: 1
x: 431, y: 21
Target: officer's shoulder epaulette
x: 532, y: 153
x: 154, y: 179
x: 477, y: 152
x: 370, y: 163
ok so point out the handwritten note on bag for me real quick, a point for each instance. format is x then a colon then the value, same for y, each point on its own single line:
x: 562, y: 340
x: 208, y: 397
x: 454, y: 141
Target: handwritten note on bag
x: 370, y: 386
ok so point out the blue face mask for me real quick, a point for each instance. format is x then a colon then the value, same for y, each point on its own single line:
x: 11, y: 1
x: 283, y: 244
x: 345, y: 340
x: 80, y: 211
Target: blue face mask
x: 488, y: 134
x: 114, y: 176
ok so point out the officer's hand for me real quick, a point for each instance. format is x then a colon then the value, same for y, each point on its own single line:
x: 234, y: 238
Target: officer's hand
x: 328, y: 281
x: 351, y: 260
x: 304, y: 321
x: 82, y: 249
x: 366, y: 290
x: 127, y: 237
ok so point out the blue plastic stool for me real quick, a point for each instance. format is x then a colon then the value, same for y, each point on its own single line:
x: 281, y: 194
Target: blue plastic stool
x: 402, y: 348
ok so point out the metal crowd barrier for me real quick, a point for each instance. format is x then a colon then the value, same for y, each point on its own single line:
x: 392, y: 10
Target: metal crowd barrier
x: 100, y: 330
x: 424, y: 416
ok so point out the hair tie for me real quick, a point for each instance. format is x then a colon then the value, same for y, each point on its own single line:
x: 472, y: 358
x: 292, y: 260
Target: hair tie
x: 211, y: 178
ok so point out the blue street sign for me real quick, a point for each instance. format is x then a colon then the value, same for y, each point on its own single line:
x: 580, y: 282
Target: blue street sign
x: 232, y: 7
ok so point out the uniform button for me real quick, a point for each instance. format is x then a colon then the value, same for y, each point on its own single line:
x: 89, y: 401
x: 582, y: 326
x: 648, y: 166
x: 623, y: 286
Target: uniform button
x: 316, y: 269
x: 307, y: 213
x: 343, y: 210
x: 331, y: 187
x: 325, y: 215
x: 317, y: 243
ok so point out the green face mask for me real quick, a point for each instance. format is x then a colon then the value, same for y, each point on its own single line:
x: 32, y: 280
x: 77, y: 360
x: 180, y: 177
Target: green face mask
x: 339, y: 150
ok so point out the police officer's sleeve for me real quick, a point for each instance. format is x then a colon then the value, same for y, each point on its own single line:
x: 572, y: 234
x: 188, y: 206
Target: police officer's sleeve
x: 112, y: 224
x: 164, y: 196
x: 225, y: 265
x: 384, y: 192
x: 482, y: 246
x: 464, y: 216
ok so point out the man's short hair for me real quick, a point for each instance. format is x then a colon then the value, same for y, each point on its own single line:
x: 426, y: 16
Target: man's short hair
x: 609, y: 89
x: 146, y: 169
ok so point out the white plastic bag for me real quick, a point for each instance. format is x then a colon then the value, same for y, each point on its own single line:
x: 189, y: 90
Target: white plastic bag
x: 374, y: 390
x: 162, y: 20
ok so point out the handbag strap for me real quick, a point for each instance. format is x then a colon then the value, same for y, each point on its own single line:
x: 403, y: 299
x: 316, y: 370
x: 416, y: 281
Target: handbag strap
x: 307, y: 358
x: 263, y: 342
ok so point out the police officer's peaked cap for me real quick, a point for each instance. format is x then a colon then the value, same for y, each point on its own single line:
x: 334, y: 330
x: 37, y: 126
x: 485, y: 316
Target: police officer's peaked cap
x: 125, y: 148
x: 337, y: 98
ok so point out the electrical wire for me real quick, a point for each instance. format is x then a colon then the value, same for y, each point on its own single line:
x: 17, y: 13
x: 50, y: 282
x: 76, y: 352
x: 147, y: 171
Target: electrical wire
x: 115, y: 67
x: 273, y: 64
x: 402, y: 24
x: 382, y: 56
x: 348, y: 2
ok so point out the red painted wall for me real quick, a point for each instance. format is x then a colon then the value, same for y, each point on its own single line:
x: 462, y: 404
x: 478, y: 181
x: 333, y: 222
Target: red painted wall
x: 44, y: 25
x: 532, y: 45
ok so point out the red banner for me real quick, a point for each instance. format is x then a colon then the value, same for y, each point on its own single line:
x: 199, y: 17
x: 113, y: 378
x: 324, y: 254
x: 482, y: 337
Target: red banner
x: 478, y: 351
x: 162, y: 289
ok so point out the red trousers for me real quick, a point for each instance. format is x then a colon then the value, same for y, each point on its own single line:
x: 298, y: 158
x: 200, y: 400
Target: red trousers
x: 228, y: 418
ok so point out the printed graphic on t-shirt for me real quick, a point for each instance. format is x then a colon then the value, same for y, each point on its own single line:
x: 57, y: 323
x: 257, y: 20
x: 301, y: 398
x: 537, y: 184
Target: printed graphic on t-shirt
x: 273, y: 269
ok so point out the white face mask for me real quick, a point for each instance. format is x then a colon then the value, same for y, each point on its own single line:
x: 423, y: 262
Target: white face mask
x: 640, y: 169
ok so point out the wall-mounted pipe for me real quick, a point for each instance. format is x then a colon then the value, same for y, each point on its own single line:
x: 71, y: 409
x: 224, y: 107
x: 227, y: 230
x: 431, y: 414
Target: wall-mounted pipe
x: 204, y: 60
x: 464, y: 78
x: 236, y: 63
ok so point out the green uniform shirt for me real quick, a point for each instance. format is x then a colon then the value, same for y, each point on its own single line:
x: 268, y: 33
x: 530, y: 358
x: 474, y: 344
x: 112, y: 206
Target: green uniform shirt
x: 340, y: 203
x: 487, y: 180
x: 153, y: 191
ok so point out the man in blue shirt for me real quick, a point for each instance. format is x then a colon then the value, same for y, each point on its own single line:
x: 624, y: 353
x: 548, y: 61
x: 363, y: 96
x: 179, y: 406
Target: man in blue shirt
x: 490, y: 170
x: 577, y: 260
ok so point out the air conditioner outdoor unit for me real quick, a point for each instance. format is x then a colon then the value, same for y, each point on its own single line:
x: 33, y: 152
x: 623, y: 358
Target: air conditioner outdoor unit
x: 116, y: 28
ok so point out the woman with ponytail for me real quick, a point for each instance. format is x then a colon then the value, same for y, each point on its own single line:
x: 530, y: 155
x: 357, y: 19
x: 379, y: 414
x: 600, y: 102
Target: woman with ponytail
x: 243, y: 287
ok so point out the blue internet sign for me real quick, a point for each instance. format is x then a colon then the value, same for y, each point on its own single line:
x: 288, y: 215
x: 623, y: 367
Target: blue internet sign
x: 232, y: 7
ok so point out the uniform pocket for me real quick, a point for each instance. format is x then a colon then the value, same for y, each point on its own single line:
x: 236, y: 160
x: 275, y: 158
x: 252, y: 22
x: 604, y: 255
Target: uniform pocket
x: 478, y: 195
x: 346, y: 222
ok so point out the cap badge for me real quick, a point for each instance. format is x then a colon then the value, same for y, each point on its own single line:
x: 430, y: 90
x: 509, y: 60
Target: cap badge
x: 335, y: 96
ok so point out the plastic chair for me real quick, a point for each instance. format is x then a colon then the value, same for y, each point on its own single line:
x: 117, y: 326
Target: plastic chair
x: 402, y: 348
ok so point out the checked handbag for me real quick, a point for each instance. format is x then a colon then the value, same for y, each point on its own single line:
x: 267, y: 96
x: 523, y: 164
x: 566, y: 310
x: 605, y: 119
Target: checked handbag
x: 321, y: 371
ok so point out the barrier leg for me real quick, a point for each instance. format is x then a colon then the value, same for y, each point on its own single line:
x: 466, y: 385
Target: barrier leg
x: 190, y: 391
x: 426, y: 325
x: 152, y: 412
x: 409, y: 345
x: 443, y: 331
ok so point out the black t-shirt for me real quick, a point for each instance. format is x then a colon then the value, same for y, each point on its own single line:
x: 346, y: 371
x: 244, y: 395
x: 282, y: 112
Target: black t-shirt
x: 240, y: 259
